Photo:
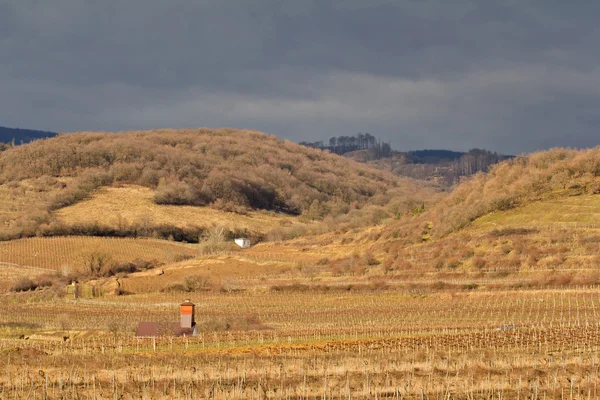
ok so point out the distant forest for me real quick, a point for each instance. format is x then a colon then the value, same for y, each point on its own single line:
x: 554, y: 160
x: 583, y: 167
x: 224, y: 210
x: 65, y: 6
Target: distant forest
x: 444, y: 167
x: 16, y: 136
x: 346, y: 144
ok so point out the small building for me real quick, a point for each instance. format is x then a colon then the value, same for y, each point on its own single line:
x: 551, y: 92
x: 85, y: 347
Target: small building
x: 186, y: 326
x: 244, y: 243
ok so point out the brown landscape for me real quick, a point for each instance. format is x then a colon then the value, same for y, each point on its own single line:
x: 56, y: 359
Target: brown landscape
x: 359, y: 284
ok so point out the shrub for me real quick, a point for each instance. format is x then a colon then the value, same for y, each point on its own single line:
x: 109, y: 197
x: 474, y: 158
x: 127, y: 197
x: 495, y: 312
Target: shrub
x: 23, y: 285
x: 323, y: 261
x: 452, y: 263
x: 478, y: 262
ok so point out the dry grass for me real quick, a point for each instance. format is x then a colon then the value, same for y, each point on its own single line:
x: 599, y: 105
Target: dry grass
x: 529, y: 245
x: 115, y: 206
x: 569, y: 212
x: 219, y: 272
x: 23, y: 204
x: 10, y: 273
x: 16, y: 199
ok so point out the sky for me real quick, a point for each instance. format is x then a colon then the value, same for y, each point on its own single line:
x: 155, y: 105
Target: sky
x: 510, y: 76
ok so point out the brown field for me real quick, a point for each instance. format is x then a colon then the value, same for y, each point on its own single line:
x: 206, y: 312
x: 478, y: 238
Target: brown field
x: 499, y: 344
x: 114, y: 206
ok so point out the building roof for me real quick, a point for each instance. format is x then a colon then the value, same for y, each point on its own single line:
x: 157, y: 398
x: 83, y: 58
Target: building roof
x: 147, y: 329
x: 154, y: 329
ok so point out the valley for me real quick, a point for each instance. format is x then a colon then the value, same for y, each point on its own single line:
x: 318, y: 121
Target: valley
x: 358, y: 283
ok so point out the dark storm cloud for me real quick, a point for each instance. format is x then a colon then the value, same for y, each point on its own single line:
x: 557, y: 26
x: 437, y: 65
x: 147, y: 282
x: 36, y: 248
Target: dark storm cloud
x: 508, y: 75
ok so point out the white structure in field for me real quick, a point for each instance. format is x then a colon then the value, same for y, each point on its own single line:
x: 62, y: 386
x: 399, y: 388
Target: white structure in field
x: 243, y: 243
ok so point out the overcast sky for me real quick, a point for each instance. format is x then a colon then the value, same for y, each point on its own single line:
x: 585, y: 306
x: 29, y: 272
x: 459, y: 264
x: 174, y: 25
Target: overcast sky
x: 507, y: 75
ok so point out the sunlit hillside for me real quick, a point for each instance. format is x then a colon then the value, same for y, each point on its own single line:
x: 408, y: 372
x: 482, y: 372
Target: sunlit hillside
x: 537, y: 215
x: 115, y: 206
x: 235, y: 171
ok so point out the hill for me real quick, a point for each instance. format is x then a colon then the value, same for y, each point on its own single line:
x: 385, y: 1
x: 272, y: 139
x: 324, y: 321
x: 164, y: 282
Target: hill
x: 537, y: 214
x: 224, y: 169
x: 442, y: 167
x: 531, y: 221
x: 130, y: 204
x: 20, y: 136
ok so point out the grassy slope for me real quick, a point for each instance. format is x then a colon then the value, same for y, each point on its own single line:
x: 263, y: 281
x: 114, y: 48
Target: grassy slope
x: 536, y: 217
x: 541, y: 237
x: 575, y: 211
x: 306, y: 260
x: 129, y: 204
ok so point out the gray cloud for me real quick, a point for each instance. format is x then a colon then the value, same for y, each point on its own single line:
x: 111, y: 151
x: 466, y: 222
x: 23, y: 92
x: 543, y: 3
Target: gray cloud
x: 507, y: 75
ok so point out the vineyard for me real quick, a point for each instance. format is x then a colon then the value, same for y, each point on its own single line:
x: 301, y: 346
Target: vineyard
x: 60, y: 253
x: 488, y: 344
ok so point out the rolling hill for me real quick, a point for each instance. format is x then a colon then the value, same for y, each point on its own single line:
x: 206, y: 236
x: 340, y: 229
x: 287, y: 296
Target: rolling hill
x: 225, y: 169
x: 535, y: 217
x: 532, y: 220
x: 193, y: 185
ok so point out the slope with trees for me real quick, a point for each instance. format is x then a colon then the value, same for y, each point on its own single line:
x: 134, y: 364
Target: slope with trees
x: 442, y: 167
x: 530, y: 214
x: 227, y: 169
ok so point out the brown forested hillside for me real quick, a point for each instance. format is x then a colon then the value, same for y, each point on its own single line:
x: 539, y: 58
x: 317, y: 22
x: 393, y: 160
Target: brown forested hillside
x: 228, y: 169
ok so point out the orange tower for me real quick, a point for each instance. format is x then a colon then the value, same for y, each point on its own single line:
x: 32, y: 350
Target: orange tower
x: 186, y: 309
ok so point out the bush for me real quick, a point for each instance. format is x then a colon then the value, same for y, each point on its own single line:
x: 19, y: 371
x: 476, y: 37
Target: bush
x: 370, y: 259
x: 180, y: 193
x: 23, y: 285
x: 478, y: 262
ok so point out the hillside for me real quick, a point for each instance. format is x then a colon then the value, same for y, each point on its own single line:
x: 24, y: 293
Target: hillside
x: 536, y: 215
x: 20, y: 136
x: 441, y: 167
x: 532, y: 220
x: 233, y: 171
x: 130, y: 204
